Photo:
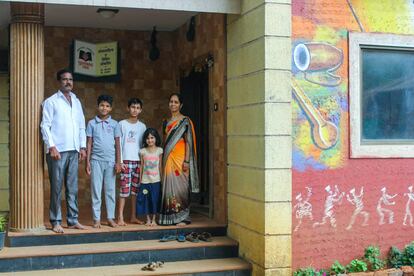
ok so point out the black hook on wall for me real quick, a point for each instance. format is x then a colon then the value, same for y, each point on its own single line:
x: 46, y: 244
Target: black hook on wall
x: 191, y: 30
x: 154, y: 52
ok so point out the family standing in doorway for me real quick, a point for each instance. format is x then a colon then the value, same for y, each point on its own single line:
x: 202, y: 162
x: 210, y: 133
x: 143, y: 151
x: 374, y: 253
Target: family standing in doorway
x: 159, y: 180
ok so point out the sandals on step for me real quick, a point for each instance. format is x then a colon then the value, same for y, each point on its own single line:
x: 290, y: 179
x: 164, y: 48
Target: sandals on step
x: 168, y: 238
x: 152, y: 266
x: 181, y: 238
x: 205, y: 236
x: 192, y: 237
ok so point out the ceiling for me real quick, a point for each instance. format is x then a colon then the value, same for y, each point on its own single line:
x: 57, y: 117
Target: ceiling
x: 86, y: 16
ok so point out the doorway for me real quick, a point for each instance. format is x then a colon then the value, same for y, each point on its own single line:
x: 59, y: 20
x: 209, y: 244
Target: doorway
x: 195, y: 92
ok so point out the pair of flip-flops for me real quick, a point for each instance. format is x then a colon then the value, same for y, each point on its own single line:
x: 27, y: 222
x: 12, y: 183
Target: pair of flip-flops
x: 167, y: 238
x: 152, y: 266
x: 196, y: 237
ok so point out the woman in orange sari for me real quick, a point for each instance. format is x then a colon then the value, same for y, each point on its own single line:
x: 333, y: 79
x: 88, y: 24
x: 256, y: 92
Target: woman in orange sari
x: 180, y: 176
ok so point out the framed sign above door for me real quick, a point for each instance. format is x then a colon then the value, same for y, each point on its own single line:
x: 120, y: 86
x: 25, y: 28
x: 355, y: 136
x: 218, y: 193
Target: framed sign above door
x: 95, y: 62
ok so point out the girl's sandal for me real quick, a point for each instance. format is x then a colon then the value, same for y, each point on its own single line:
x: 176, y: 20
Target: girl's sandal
x: 205, y: 236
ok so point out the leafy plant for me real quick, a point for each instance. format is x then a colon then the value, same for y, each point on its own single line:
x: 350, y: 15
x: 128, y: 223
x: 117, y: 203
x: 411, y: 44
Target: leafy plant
x: 371, y: 256
x: 307, y: 271
x: 310, y: 271
x: 3, y: 223
x: 337, y: 268
x: 322, y: 272
x: 395, y: 257
x: 357, y: 265
x: 408, y: 255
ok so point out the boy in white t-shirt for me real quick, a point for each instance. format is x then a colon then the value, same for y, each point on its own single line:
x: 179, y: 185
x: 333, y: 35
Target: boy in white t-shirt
x: 131, y: 140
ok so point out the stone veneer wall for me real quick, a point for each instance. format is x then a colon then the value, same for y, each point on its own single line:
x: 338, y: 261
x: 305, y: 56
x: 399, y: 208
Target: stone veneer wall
x: 259, y: 134
x: 150, y: 81
x: 4, y: 142
x: 210, y: 38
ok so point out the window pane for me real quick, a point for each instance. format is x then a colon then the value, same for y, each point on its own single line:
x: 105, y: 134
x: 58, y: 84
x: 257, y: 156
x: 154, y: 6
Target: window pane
x: 387, y: 95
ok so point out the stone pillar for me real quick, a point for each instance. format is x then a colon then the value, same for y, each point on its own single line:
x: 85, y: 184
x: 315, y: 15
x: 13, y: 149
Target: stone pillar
x: 26, y: 96
x: 259, y: 129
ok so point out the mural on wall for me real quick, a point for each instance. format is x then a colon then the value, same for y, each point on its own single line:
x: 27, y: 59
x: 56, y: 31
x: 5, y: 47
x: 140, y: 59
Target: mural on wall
x: 347, y: 195
x: 408, y: 214
x: 319, y: 114
x: 356, y: 200
x: 385, y: 200
x: 333, y: 198
x: 303, y: 208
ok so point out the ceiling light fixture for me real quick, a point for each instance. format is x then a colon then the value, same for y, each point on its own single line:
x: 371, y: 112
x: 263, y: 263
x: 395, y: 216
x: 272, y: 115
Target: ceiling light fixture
x: 107, y: 13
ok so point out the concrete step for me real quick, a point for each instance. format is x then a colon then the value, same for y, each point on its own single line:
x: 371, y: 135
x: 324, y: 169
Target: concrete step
x: 112, y: 253
x: 226, y: 266
x: 108, y: 234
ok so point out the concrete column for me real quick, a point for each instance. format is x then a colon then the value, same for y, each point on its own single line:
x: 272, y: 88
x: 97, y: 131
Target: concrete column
x: 26, y: 96
x: 259, y: 134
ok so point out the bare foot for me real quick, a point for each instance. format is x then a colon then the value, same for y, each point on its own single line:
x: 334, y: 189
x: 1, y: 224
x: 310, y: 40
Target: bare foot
x: 96, y: 224
x: 121, y: 222
x: 77, y: 226
x: 112, y: 223
x: 136, y: 221
x: 58, y: 229
x: 148, y: 223
x: 153, y: 223
x: 181, y: 224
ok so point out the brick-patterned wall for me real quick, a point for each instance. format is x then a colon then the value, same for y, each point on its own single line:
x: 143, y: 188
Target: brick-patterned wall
x: 210, y: 38
x: 325, y: 24
x: 151, y: 81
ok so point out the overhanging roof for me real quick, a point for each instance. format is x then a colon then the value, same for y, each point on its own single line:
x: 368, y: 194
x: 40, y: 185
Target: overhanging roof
x: 167, y: 15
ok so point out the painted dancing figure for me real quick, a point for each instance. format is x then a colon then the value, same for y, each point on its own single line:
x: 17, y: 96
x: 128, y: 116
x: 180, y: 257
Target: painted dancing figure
x: 303, y: 208
x: 332, y: 199
x: 359, y: 206
x: 385, y: 199
x: 408, y: 214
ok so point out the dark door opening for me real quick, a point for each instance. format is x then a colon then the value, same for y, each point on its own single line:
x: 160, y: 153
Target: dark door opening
x: 194, y: 90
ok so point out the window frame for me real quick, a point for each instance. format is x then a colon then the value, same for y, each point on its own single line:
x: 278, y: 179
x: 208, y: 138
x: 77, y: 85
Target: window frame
x: 380, y: 148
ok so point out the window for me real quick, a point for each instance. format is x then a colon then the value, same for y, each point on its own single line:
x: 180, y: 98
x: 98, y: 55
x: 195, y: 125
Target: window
x: 381, y: 78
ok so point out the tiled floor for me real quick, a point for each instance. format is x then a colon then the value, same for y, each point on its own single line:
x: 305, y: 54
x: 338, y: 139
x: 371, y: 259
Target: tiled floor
x: 197, y: 222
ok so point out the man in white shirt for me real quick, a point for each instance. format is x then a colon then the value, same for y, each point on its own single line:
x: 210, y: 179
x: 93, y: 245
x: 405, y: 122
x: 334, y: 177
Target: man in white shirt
x: 63, y: 131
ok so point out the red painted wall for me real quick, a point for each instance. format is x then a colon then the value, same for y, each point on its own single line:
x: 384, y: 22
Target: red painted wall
x: 321, y: 27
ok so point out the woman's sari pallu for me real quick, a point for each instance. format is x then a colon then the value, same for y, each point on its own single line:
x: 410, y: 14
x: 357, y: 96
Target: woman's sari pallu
x: 176, y: 184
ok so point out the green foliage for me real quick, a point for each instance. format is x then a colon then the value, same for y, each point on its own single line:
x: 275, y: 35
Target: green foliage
x: 395, y: 257
x: 307, y: 271
x: 322, y: 272
x: 408, y: 255
x: 310, y: 271
x: 371, y: 256
x: 357, y: 266
x: 3, y: 223
x: 337, y: 268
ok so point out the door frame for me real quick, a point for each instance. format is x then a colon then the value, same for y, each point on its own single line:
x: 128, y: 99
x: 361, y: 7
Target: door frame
x: 202, y: 63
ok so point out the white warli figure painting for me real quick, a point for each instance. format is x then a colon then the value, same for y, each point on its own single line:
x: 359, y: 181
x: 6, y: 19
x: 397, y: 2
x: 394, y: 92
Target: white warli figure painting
x: 303, y: 208
x: 359, y: 206
x: 385, y: 200
x: 408, y: 214
x: 333, y: 197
